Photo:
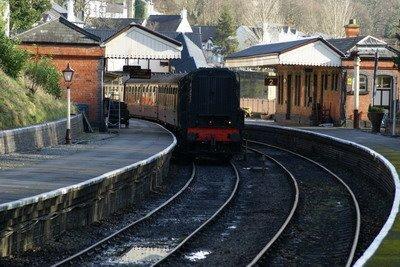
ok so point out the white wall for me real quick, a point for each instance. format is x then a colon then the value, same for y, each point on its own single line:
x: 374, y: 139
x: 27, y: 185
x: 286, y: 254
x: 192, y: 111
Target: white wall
x: 116, y: 65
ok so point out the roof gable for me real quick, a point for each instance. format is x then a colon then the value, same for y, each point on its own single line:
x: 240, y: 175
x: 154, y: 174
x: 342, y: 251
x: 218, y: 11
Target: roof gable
x: 59, y: 31
x: 192, y: 56
x: 306, y: 52
x: 277, y: 48
x: 371, y: 41
x: 312, y: 54
x: 138, y: 42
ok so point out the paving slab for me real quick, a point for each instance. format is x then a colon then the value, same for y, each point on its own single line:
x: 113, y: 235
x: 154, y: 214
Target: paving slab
x: 141, y: 141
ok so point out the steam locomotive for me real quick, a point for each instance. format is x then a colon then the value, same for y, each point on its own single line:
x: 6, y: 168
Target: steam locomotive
x: 202, y: 108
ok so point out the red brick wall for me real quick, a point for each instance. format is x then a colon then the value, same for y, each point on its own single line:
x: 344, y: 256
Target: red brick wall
x: 385, y: 67
x: 86, y: 61
x: 301, y: 114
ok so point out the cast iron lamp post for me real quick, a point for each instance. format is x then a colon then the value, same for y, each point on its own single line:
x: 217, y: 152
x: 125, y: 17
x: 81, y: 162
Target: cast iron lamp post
x: 68, y: 76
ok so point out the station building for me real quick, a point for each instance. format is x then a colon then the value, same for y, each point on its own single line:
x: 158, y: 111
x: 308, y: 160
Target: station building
x: 98, y: 56
x: 64, y: 43
x: 316, y: 76
x: 308, y: 73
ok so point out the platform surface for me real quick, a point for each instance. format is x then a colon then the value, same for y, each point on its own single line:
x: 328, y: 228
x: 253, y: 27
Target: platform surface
x: 141, y: 141
x: 388, y: 253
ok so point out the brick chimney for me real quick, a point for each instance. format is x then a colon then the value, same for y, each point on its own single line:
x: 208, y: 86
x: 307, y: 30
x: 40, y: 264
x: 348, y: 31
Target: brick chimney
x: 352, y: 29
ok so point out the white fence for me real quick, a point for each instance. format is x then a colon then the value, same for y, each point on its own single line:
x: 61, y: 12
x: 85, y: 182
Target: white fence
x: 261, y: 106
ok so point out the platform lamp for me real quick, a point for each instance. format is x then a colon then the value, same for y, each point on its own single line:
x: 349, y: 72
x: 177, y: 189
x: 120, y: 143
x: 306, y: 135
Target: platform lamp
x: 68, y: 74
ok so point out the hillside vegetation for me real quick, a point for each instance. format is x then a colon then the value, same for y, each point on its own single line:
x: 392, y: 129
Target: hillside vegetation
x: 20, y: 107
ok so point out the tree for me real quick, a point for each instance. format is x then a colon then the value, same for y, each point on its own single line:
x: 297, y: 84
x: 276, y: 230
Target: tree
x: 25, y: 13
x: 226, y: 32
x: 335, y: 14
x: 140, y: 9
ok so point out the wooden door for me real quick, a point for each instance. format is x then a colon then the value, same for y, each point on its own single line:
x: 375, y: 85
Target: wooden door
x: 289, y: 97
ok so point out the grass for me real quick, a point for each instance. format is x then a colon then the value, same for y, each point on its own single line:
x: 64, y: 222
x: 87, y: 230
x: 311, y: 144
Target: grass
x: 19, y: 107
x: 388, y: 253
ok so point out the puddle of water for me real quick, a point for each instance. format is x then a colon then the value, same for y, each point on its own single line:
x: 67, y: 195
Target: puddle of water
x: 139, y: 255
x: 200, y: 255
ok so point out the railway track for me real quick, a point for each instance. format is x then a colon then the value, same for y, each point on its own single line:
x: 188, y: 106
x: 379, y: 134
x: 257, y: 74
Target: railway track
x: 200, y: 201
x: 265, y: 204
x: 327, y: 226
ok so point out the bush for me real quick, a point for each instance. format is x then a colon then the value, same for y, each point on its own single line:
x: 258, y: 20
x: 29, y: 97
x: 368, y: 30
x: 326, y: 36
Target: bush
x: 18, y: 107
x: 44, y: 74
x: 12, y: 59
x: 372, y: 109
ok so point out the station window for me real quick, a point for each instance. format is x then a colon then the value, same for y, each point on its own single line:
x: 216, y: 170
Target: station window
x: 363, y: 83
x: 164, y: 63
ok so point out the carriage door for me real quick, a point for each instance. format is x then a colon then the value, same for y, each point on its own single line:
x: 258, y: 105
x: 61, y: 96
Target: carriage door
x: 289, y: 97
x: 384, y: 85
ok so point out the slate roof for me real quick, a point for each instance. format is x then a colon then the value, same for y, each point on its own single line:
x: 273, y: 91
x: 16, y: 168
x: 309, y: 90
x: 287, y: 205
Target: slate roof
x: 345, y: 44
x: 207, y: 32
x: 104, y: 34
x: 112, y: 23
x: 194, y: 37
x: 58, y: 31
x: 164, y: 23
x: 192, y: 56
x: 277, y: 48
x: 366, y: 48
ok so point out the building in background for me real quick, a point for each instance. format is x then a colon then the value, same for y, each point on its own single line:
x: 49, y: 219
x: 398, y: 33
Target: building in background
x: 210, y: 49
x: 266, y: 34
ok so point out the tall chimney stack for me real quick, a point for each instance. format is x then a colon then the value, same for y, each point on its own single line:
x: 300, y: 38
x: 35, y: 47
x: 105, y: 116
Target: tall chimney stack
x: 70, y: 8
x: 352, y: 29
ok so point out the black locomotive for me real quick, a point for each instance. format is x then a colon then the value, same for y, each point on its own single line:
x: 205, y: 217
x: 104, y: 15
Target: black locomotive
x: 202, y: 108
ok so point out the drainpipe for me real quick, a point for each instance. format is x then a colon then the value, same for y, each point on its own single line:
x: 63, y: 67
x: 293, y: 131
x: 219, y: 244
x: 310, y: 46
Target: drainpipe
x: 357, y: 63
x: 394, y: 107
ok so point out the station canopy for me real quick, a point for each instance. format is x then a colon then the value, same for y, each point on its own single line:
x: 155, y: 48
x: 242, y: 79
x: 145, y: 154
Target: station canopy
x: 305, y: 52
x: 138, y: 42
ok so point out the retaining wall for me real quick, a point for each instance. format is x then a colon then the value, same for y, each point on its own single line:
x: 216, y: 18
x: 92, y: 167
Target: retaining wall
x: 371, y: 165
x: 31, y: 222
x: 38, y: 136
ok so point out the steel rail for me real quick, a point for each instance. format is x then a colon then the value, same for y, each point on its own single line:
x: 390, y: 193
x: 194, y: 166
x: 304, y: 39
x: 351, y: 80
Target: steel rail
x: 211, y: 219
x: 292, y: 211
x: 356, y: 205
x: 147, y: 216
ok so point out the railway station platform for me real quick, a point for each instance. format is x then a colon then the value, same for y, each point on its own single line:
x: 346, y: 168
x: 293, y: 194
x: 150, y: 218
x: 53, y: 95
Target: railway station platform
x: 141, y: 141
x: 388, y: 253
x: 44, y: 193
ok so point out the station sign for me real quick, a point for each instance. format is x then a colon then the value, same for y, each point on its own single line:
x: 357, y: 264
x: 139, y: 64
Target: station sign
x: 271, y: 81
